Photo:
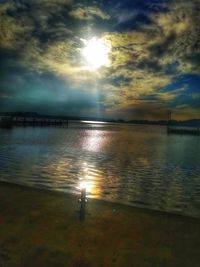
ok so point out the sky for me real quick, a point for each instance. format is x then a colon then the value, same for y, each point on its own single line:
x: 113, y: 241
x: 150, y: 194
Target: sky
x: 152, y: 65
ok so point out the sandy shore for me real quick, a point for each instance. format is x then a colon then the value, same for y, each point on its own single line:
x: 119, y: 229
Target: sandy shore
x: 40, y: 228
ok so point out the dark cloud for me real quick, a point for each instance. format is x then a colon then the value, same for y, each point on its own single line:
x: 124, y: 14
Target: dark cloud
x: 164, y: 47
x: 194, y: 60
x: 25, y: 90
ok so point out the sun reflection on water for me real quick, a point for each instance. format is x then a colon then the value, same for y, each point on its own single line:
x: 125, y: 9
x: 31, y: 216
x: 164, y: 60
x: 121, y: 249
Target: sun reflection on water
x: 94, y: 140
x: 87, y: 180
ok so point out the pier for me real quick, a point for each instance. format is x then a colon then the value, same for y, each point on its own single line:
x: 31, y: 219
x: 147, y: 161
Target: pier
x: 183, y: 130
x: 186, y: 130
x: 9, y: 121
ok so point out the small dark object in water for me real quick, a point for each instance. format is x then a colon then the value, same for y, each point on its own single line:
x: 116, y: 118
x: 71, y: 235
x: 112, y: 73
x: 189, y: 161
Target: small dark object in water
x: 83, y: 201
x: 83, y: 195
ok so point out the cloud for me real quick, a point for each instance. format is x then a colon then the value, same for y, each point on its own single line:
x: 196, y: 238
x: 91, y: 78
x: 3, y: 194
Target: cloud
x: 12, y: 31
x: 126, y: 15
x: 44, y: 37
x: 178, y: 34
x: 184, y: 112
x: 88, y: 13
x: 141, y: 109
x: 44, y: 42
x: 154, y: 56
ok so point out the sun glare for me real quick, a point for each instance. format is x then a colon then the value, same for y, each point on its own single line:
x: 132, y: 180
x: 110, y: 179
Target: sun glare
x: 95, y: 53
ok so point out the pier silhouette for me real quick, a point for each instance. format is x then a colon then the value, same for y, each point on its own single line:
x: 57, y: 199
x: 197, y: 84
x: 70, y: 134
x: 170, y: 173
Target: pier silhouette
x: 9, y: 121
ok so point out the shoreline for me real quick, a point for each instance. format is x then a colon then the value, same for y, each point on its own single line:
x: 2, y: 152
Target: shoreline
x: 43, y: 228
x: 105, y: 202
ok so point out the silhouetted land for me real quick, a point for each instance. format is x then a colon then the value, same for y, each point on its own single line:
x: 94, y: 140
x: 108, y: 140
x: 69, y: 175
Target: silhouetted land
x: 61, y: 119
x: 40, y: 228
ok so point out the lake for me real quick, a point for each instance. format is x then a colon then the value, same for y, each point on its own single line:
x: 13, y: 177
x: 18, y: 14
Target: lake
x: 138, y: 165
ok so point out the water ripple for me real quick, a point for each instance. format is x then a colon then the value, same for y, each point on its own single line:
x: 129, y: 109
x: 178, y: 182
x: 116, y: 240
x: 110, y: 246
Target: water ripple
x: 135, y: 165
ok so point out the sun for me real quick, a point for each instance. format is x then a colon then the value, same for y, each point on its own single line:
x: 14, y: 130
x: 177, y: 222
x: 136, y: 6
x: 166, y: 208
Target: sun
x: 95, y: 53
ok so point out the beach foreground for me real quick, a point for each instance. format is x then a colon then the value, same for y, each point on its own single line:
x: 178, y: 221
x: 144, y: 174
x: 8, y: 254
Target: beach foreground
x: 40, y: 228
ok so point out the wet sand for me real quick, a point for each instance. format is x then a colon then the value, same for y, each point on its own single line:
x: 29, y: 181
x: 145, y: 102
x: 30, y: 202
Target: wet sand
x: 40, y: 228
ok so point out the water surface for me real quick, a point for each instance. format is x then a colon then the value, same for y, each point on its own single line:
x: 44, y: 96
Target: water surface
x: 133, y: 164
